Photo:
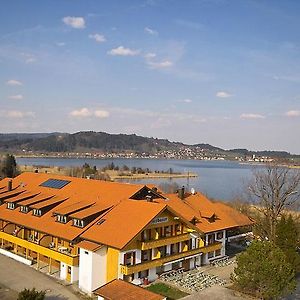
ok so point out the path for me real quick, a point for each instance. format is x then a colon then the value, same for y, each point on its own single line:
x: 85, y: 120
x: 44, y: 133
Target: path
x: 17, y: 276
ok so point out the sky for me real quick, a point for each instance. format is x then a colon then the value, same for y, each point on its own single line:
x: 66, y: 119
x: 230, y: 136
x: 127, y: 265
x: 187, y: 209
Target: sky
x: 223, y: 72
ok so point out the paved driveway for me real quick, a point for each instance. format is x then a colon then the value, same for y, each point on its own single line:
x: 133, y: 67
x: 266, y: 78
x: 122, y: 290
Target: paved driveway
x: 17, y: 276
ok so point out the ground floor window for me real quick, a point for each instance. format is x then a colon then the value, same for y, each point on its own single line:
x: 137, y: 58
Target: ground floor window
x: 176, y: 265
x: 210, y: 254
x: 143, y: 274
x: 128, y: 278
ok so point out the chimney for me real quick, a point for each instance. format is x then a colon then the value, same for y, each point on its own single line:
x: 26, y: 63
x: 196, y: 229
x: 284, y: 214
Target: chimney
x: 181, y: 193
x: 9, y: 185
x: 149, y: 198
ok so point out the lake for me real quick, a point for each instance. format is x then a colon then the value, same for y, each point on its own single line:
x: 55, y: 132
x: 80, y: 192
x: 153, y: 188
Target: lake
x: 224, y: 180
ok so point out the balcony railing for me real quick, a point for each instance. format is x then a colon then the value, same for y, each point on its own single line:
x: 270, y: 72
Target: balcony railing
x: 127, y: 270
x: 164, y: 241
x: 68, y: 259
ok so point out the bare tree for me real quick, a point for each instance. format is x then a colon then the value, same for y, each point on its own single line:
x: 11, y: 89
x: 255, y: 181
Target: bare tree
x: 274, y: 189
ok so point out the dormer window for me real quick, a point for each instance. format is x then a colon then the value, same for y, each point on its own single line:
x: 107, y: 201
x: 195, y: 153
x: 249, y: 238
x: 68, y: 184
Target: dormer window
x: 61, y: 219
x: 37, y: 212
x: 24, y: 209
x: 11, y: 205
x: 78, y: 223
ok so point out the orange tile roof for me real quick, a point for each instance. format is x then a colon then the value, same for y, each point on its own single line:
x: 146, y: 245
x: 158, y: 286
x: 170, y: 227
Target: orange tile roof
x: 72, y: 208
x: 199, y: 207
x: 121, y: 290
x: 105, y: 194
x: 89, y: 245
x: 124, y: 218
x: 46, y: 203
x: 12, y: 193
x: 89, y: 211
x: 36, y: 199
x: 21, y: 197
x: 123, y: 222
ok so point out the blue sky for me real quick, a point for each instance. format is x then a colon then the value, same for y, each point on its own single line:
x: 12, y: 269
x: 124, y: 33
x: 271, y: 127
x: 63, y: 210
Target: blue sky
x: 224, y: 72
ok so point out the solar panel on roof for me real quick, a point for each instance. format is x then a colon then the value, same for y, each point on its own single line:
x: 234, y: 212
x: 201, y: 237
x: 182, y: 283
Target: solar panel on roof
x: 55, y: 183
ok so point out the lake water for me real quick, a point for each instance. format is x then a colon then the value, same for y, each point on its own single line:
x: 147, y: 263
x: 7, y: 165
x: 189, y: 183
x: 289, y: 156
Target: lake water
x: 224, y: 180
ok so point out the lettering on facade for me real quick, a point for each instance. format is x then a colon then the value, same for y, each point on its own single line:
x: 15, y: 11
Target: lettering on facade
x: 160, y: 220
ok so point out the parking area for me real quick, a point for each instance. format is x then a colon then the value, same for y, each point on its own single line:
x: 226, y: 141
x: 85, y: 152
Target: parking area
x: 15, y: 276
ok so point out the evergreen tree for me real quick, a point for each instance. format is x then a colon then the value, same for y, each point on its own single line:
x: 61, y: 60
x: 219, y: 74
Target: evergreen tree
x: 263, y: 271
x: 33, y: 294
x: 287, y: 239
x: 9, y: 166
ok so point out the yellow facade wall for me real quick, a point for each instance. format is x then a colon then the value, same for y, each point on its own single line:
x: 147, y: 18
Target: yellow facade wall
x: 112, y: 264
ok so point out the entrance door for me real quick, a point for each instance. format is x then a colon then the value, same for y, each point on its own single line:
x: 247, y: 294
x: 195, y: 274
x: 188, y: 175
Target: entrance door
x: 186, y: 264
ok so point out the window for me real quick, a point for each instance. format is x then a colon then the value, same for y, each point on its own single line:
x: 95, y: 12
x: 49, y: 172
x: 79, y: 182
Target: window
x: 69, y: 270
x: 129, y: 258
x: 211, y: 239
x: 210, y: 254
x: 143, y: 274
x: 178, y: 229
x: 61, y: 219
x: 220, y: 235
x: 163, y: 251
x: 146, y: 255
x: 78, y: 223
x: 167, y: 231
x: 24, y: 209
x: 37, y: 212
x: 10, y: 205
x: 218, y: 252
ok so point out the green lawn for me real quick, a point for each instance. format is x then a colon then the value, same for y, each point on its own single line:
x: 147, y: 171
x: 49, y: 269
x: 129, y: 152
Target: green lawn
x: 170, y: 292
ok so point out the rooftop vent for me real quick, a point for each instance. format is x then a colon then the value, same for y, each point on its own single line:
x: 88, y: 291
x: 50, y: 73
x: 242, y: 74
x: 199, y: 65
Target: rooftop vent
x: 9, y: 185
x: 181, y: 193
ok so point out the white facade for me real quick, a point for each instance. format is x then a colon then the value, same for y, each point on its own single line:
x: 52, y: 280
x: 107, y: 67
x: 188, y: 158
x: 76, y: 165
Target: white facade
x: 92, y: 269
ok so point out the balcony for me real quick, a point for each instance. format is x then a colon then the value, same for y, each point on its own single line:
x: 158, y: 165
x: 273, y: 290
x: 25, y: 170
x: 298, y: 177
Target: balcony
x: 164, y: 241
x: 68, y: 259
x: 127, y: 270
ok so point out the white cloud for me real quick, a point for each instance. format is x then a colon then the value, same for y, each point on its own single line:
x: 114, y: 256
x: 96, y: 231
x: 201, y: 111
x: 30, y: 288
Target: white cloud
x: 293, y: 113
x: 160, y: 65
x: 101, y: 113
x: 99, y: 38
x: 16, y: 114
x: 13, y: 82
x: 150, y: 55
x: 75, y: 22
x: 122, y: 51
x: 30, y: 60
x: 150, y: 31
x: 16, y: 97
x: 251, y: 116
x: 186, y: 100
x: 85, y: 112
x: 82, y: 113
x: 223, y: 94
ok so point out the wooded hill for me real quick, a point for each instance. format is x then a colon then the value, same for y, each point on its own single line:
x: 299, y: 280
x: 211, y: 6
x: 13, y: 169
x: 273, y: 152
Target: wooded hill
x: 104, y: 142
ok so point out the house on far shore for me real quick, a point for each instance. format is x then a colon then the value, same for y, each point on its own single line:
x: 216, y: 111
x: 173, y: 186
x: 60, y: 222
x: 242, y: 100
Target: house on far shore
x: 91, y: 232
x: 120, y: 290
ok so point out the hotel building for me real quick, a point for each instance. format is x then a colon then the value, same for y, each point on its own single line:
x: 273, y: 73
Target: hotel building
x: 93, y: 232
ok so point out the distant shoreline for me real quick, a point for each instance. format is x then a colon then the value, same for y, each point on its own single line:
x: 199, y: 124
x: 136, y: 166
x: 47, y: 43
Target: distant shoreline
x: 113, y: 175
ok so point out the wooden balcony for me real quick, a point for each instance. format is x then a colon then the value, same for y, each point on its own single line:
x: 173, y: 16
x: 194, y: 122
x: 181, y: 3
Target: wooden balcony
x: 127, y: 270
x: 68, y: 259
x: 164, y: 241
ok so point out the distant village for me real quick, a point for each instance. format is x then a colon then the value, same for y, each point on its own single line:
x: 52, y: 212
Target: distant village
x: 196, y: 153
